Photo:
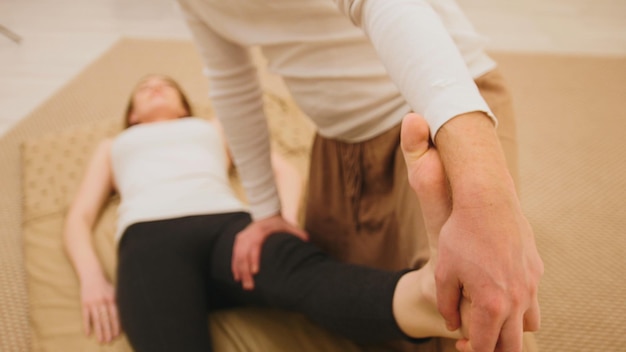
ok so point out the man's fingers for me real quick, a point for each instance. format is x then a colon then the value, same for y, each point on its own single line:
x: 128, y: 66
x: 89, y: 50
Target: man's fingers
x: 532, y: 318
x: 234, y: 263
x: 463, y: 345
x: 239, y: 260
x: 244, y: 267
x: 298, y: 232
x: 511, y: 337
x: 465, y: 310
x: 254, y: 258
x: 245, y: 261
x: 491, y: 328
x: 448, y: 299
x: 246, y: 279
x: 485, y: 326
x: 248, y: 246
x: 250, y: 266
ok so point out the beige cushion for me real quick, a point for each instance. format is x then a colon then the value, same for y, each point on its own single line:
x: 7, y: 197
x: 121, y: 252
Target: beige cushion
x: 52, y: 167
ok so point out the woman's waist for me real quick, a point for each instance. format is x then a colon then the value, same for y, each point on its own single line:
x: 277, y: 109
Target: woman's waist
x: 163, y: 206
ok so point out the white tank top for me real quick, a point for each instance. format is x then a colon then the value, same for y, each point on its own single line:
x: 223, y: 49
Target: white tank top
x: 171, y: 169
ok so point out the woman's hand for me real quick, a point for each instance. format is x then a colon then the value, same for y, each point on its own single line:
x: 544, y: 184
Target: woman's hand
x: 99, y: 309
x: 247, y: 247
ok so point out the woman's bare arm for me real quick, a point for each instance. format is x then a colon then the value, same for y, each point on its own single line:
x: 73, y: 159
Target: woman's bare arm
x: 97, y: 294
x: 93, y: 192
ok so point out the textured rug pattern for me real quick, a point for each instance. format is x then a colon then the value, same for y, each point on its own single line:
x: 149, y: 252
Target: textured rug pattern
x: 572, y: 120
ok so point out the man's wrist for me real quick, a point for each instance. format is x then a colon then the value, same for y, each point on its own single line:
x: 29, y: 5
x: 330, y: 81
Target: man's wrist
x: 475, y: 165
x: 265, y: 210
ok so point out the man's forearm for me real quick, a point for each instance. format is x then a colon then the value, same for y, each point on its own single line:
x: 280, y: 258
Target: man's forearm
x: 474, y: 161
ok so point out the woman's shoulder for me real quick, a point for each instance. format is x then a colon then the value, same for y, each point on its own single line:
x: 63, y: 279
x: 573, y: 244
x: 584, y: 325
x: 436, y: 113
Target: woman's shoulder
x: 105, y: 144
x: 103, y: 149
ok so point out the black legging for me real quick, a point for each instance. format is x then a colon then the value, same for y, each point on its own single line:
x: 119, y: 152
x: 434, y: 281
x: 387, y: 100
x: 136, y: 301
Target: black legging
x: 172, y: 273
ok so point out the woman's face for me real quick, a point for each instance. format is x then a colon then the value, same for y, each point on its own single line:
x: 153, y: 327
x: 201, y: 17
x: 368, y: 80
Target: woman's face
x: 156, y: 98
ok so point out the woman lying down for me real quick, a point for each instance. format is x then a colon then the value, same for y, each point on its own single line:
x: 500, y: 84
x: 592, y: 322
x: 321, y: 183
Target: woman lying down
x: 178, y: 219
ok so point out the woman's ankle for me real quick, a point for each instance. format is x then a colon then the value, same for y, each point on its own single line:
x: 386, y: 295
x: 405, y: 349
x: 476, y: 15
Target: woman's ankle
x: 415, y: 306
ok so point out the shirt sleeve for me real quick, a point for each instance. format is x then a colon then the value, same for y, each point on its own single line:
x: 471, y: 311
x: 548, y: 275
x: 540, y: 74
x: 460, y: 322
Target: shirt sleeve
x: 237, y: 100
x: 420, y: 57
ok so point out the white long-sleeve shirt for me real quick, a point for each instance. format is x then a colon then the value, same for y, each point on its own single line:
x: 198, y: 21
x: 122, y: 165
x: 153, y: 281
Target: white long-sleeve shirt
x: 355, y: 67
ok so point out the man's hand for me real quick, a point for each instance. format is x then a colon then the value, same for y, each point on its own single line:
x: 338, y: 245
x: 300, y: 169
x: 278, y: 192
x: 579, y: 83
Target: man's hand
x: 487, y: 256
x: 248, y: 244
x: 99, y: 309
x: 487, y: 251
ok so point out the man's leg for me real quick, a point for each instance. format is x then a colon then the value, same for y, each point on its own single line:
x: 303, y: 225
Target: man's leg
x: 360, y: 194
x: 357, y: 208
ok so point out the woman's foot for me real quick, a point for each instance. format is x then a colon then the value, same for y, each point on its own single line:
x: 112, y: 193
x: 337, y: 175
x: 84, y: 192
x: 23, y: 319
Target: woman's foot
x: 426, y: 176
x: 415, y: 304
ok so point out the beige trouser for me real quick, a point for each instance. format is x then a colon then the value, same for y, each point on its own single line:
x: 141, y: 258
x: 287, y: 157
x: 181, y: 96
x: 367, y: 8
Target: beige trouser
x: 360, y: 207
